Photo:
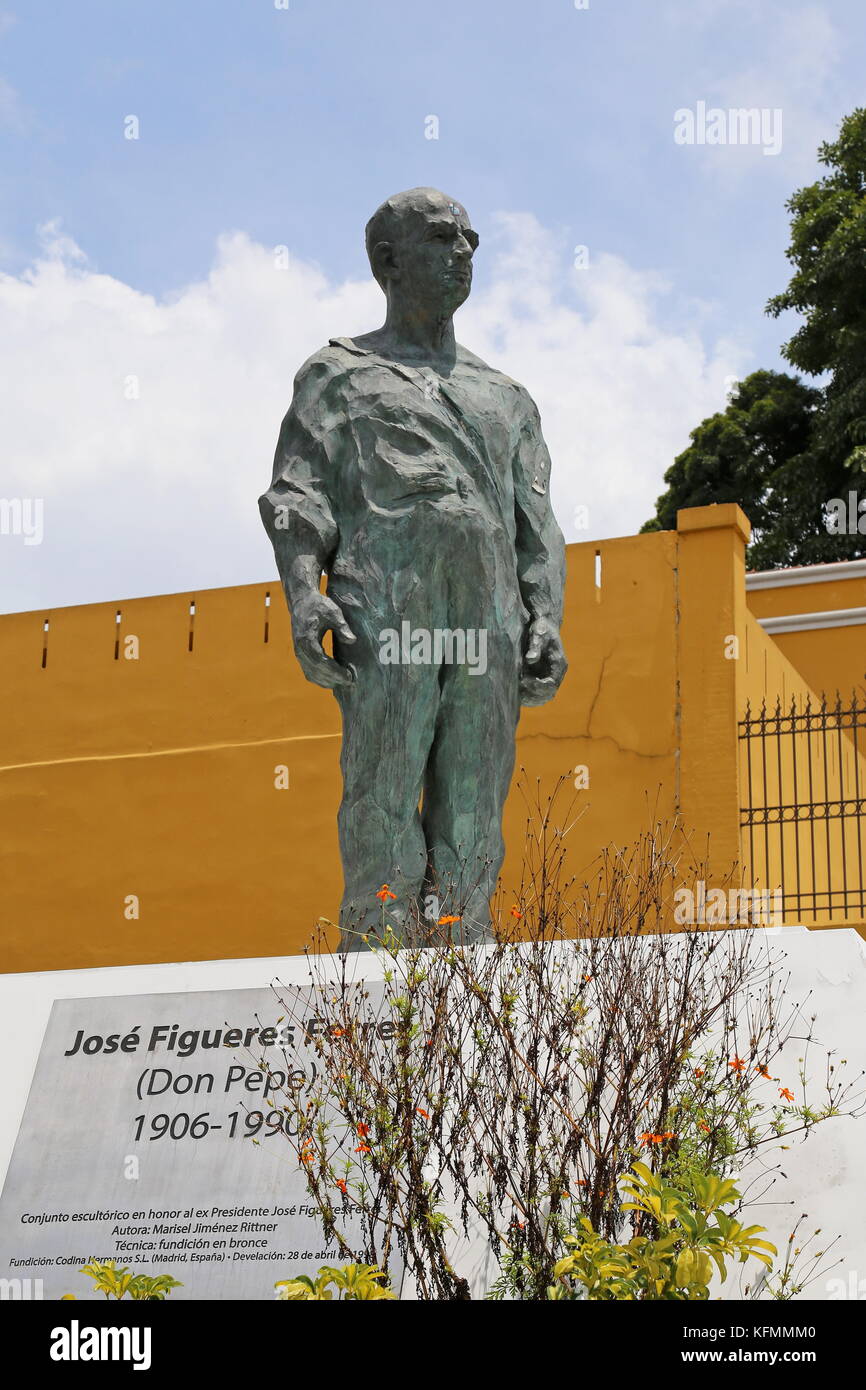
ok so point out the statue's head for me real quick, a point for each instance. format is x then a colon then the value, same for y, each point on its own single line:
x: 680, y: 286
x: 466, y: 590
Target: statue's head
x: 420, y: 244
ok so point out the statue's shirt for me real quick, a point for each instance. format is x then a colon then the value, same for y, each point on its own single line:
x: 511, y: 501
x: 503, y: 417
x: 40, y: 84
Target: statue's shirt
x: 393, y: 475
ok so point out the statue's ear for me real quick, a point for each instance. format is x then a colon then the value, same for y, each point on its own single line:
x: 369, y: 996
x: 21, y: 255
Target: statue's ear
x: 383, y: 262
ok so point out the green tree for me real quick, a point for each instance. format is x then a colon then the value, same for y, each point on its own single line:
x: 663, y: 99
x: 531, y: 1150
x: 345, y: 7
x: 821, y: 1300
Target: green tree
x: 751, y: 453
x: 793, y: 455
x: 828, y: 249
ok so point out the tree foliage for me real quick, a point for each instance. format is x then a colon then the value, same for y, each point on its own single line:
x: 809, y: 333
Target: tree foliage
x: 752, y: 453
x: 790, y: 453
x: 828, y: 249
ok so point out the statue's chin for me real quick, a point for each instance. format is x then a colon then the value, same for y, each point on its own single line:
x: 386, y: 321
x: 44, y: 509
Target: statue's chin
x: 454, y: 292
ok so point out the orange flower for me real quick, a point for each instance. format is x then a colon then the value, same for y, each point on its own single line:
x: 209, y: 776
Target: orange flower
x: 363, y: 1130
x: 363, y: 1149
x: 385, y: 893
x: 704, y: 1127
x: 307, y: 1155
x: 341, y: 1183
x: 445, y: 921
x: 646, y: 1137
x: 419, y: 1111
x: 699, y: 1071
x: 738, y: 1065
x: 587, y: 978
x: 786, y: 1094
x: 761, y: 1069
x: 515, y: 912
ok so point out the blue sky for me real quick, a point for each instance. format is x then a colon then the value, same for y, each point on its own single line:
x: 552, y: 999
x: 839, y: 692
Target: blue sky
x: 262, y: 127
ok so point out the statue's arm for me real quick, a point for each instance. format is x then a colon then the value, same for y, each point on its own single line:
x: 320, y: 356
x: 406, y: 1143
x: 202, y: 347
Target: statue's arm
x: 296, y: 509
x: 540, y: 550
x: 297, y: 515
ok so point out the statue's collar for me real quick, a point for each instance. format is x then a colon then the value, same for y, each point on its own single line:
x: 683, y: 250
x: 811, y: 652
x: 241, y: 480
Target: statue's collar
x: 419, y: 376
x: 411, y: 372
x: 351, y: 347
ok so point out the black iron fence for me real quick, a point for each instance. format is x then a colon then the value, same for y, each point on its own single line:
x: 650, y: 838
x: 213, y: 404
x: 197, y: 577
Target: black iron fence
x: 803, y: 817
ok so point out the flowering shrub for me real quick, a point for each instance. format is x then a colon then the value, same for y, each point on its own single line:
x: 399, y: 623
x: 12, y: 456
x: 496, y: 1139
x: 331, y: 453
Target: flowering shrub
x: 122, y: 1283
x: 352, y: 1282
x: 692, y: 1238
x: 507, y: 1089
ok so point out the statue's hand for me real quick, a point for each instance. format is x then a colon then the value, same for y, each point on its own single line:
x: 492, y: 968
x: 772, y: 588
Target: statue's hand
x: 313, y: 615
x: 544, y: 663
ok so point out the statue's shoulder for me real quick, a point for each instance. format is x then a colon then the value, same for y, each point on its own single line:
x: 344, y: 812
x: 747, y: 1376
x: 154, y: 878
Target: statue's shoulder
x: 330, y: 362
x: 472, y: 362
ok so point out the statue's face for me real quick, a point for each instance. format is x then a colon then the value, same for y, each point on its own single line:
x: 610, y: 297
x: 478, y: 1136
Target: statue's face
x: 433, y: 258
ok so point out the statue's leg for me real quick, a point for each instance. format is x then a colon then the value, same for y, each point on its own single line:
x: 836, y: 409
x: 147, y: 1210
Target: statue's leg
x: 389, y: 716
x: 468, y: 776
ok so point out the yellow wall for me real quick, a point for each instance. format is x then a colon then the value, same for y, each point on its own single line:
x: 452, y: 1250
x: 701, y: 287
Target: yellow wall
x: 154, y: 777
x: 797, y: 765
x: 830, y: 659
x: 819, y: 853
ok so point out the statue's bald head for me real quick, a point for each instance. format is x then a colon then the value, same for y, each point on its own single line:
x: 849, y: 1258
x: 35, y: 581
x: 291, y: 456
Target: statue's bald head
x: 413, y: 216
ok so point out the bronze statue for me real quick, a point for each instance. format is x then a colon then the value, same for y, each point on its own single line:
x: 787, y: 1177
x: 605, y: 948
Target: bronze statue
x: 416, y: 478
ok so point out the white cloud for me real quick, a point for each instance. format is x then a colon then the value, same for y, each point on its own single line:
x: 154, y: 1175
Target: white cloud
x: 792, y: 56
x: 618, y: 392
x: 158, y: 494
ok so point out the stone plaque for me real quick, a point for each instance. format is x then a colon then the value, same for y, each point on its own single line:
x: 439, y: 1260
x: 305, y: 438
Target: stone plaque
x: 148, y: 1139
